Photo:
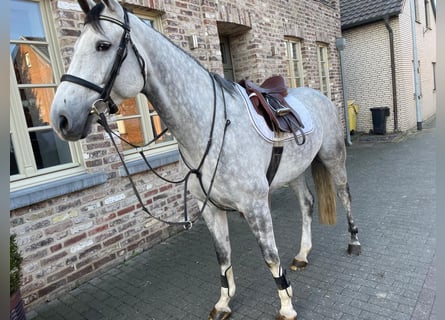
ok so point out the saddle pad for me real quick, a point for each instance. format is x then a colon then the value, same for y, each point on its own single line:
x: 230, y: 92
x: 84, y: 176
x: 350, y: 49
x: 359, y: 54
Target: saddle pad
x: 263, y: 129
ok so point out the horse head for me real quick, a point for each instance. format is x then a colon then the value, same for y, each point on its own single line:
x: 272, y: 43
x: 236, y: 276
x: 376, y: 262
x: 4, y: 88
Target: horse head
x: 93, y: 82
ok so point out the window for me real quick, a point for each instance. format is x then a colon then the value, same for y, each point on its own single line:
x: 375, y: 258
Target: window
x: 35, y: 149
x: 294, y: 63
x: 323, y: 66
x: 226, y: 56
x: 137, y: 120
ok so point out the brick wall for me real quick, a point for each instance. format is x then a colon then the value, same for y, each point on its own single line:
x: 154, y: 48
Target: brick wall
x: 68, y: 239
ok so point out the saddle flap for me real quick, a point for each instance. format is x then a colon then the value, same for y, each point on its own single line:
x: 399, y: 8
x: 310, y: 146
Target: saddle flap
x: 268, y: 100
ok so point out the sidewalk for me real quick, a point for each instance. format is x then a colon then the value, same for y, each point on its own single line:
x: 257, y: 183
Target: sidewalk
x: 394, y: 204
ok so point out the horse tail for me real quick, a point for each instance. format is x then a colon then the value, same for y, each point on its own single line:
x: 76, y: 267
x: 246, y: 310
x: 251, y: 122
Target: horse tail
x: 327, y: 209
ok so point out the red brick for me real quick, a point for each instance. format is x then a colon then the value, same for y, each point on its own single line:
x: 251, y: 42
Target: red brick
x: 80, y: 273
x: 98, y: 229
x: 125, y: 211
x: 74, y: 239
x: 165, y: 188
x: 55, y: 247
x: 151, y: 193
x: 104, y: 260
x: 113, y: 240
x: 43, y: 292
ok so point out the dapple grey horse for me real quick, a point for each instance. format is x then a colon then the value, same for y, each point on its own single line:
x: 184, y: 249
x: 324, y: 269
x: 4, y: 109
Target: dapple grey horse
x: 111, y: 63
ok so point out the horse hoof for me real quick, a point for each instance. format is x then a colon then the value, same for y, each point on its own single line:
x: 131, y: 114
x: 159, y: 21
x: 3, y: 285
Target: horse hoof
x: 219, y: 315
x: 281, y: 317
x: 298, y: 265
x: 354, y: 249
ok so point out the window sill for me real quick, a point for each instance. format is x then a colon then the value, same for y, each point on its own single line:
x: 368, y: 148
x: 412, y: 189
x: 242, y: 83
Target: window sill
x: 158, y: 160
x: 31, y: 195
x: 28, y: 196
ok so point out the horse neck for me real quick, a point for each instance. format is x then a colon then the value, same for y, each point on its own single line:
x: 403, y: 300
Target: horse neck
x: 180, y: 90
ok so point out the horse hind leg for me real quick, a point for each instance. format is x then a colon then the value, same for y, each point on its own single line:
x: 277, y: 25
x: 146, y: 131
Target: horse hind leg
x: 354, y: 247
x: 333, y: 164
x: 306, y: 202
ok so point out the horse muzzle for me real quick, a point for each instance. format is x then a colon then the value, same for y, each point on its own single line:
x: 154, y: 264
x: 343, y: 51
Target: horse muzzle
x: 70, y: 126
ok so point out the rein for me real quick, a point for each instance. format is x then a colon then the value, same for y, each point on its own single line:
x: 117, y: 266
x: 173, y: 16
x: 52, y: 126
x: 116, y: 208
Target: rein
x: 187, y: 224
x: 105, y: 102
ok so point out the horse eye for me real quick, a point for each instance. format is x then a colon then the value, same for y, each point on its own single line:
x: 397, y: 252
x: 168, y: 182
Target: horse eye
x: 103, y: 46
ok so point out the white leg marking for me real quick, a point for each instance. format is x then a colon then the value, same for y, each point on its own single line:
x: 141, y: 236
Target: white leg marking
x: 287, y: 309
x: 226, y: 293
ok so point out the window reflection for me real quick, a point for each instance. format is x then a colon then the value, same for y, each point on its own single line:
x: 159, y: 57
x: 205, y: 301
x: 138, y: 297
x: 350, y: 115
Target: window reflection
x: 32, y: 63
x: 25, y: 20
x: 48, y: 149
x: 13, y: 167
x: 36, y: 104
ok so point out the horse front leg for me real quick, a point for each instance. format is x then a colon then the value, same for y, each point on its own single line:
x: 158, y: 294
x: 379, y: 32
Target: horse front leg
x: 260, y: 222
x: 216, y: 221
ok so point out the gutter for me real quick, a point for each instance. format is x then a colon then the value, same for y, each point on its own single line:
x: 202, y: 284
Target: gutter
x: 417, y: 93
x: 393, y: 74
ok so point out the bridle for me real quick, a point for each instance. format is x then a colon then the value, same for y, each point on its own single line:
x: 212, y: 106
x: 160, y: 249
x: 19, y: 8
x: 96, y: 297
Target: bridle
x: 106, y: 103
x: 105, y: 99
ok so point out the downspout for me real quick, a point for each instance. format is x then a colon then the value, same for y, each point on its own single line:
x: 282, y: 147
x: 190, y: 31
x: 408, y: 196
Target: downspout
x: 395, y: 111
x: 416, y: 67
x: 340, y: 43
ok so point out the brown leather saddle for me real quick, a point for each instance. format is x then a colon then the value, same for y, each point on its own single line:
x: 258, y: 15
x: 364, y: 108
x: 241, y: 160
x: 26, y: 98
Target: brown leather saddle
x: 268, y: 100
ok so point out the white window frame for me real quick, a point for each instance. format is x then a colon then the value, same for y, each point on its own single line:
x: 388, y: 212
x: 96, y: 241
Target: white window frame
x: 29, y: 174
x: 291, y: 61
x: 323, y: 67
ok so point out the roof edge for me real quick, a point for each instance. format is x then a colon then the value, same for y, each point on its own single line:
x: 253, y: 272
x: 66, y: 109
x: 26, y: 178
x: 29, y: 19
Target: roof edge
x: 368, y: 21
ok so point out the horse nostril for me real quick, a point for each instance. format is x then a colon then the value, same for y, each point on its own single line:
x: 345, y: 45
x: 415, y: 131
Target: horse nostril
x: 64, y: 124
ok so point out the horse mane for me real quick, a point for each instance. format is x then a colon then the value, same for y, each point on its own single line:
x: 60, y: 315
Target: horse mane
x: 228, y: 85
x: 93, y: 18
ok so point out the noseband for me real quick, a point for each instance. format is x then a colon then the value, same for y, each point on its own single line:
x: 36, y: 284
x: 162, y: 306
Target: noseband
x: 121, y: 54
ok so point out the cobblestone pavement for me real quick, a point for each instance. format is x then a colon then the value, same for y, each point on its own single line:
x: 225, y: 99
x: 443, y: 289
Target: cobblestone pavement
x: 393, y: 190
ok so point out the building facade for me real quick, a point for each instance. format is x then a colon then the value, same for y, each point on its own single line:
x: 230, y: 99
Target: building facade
x: 71, y: 206
x: 375, y: 30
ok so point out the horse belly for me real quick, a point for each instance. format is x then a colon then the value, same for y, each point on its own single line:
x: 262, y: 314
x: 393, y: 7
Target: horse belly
x: 296, y: 159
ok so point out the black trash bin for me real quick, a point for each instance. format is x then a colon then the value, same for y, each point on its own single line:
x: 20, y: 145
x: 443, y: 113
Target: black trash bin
x: 379, y: 115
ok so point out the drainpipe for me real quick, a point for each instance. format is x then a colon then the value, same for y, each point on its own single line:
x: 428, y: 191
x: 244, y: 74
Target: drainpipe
x: 340, y: 43
x: 395, y: 111
x: 416, y: 67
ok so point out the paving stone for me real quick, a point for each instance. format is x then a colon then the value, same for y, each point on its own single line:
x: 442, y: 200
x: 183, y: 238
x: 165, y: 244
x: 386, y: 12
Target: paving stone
x: 394, y: 278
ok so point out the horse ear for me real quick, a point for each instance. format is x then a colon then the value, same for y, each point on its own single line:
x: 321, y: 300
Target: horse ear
x: 86, y: 5
x: 111, y: 4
